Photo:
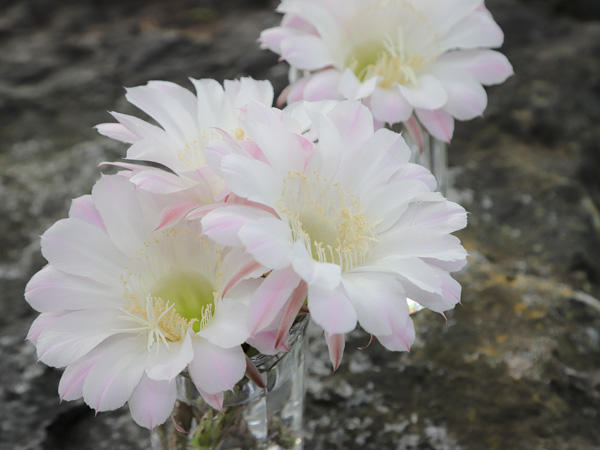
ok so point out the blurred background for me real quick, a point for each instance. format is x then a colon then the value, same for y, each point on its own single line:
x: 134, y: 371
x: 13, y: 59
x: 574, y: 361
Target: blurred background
x: 516, y: 366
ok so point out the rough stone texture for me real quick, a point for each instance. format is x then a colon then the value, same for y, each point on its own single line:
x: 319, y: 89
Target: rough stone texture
x: 517, y: 366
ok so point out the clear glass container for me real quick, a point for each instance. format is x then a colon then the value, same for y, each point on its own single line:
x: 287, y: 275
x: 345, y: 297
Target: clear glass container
x: 252, y: 417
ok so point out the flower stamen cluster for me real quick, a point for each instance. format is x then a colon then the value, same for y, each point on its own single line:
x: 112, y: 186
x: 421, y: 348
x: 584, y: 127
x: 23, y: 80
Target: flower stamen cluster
x: 327, y: 219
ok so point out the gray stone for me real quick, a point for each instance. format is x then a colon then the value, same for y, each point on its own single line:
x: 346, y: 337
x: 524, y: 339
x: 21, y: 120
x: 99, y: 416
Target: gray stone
x: 514, y: 367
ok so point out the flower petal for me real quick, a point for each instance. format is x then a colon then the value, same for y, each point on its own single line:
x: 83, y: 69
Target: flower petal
x: 331, y: 309
x: 116, y: 373
x: 335, y: 346
x: 306, y: 52
x: 389, y: 106
x: 353, y: 89
x: 53, y: 290
x: 215, y: 369
x: 70, y: 386
x: 271, y: 297
x: 427, y: 93
x: 74, y: 334
x: 223, y: 224
x: 229, y: 325
x: 325, y: 275
x: 78, y: 248
x: 268, y: 240
x: 438, y: 122
x: 165, y: 363
x: 379, y: 300
x: 152, y: 402
x: 124, y: 219
x: 477, y: 30
x: 83, y: 208
x: 486, y: 66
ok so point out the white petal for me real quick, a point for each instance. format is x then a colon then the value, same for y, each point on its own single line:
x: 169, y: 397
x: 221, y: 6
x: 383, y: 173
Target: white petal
x: 117, y: 132
x: 331, y: 310
x: 379, y: 300
x: 83, y: 208
x: 116, y: 373
x: 409, y: 242
x: 173, y: 116
x: 306, y: 52
x: 389, y: 106
x: 322, y: 86
x: 70, y: 386
x: 324, y: 275
x: 353, y: 121
x: 271, y: 138
x: 53, y: 290
x: 74, y: 334
x: 165, y: 363
x: 268, y: 240
x: 117, y: 201
x: 427, y: 284
x: 76, y: 247
x: 440, y: 215
x: 401, y: 338
x: 352, y: 88
x: 478, y: 30
x: 438, y: 122
x: 210, y: 102
x: 486, y: 66
x: 229, y: 325
x: 247, y: 90
x: 428, y: 93
x: 270, y: 297
x: 152, y: 402
x: 223, y: 224
x: 466, y: 97
x: 251, y: 179
x: 215, y: 369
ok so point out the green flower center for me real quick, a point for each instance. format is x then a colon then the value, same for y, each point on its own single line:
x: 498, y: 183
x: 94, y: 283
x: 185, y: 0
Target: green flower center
x: 192, y: 295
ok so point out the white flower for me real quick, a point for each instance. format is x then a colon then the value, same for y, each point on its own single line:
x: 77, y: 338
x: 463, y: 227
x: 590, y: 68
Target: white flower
x: 188, y: 123
x: 126, y: 309
x: 401, y: 57
x: 346, y: 217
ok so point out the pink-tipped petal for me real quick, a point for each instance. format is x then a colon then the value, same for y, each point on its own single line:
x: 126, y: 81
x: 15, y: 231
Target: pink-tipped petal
x: 215, y: 369
x: 70, y: 386
x: 438, y: 122
x: 331, y: 310
x: 83, y: 208
x: 253, y: 373
x: 152, y: 402
x: 268, y: 241
x: 291, y: 311
x: 214, y: 400
x: 271, y: 297
x: 388, y: 105
x: 244, y: 271
x: 335, y: 345
x: 174, y: 213
x: 222, y: 225
x: 115, y: 375
x: 415, y: 131
x: 116, y: 131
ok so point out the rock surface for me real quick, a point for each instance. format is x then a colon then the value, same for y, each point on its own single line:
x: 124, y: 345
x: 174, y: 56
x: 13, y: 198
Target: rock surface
x: 516, y: 366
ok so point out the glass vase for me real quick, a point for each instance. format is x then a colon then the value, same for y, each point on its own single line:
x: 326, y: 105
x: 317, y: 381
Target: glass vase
x: 252, y: 417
